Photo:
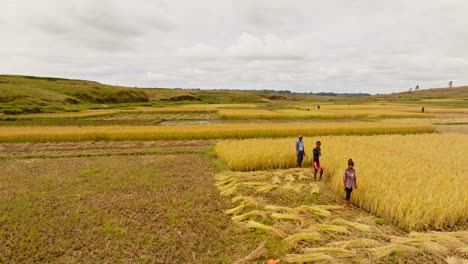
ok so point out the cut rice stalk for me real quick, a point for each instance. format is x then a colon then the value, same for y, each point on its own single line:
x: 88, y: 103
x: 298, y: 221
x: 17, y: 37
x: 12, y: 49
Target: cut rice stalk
x: 423, y: 243
x: 330, y: 207
x: 260, y: 251
x: 292, y: 258
x: 313, y: 209
x: 334, y: 251
x: 456, y: 260
x: 287, y: 217
x: 289, y: 178
x: 310, y: 236
x: 315, y: 189
x: 277, y: 208
x: 276, y: 180
x: 447, y: 237
x: 463, y: 249
x: 330, y: 228
x: 242, y: 217
x: 302, y: 176
x: 274, y: 231
x: 358, y: 226
x: 356, y: 243
x: 387, y: 250
x: 236, y: 209
x: 247, y: 200
x: 253, y: 183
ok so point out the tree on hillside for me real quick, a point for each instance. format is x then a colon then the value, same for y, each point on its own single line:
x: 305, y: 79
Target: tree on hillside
x: 417, y: 87
x: 450, y: 84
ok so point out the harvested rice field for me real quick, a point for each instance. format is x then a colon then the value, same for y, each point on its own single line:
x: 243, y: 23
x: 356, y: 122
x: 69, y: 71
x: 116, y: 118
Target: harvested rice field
x: 304, y: 221
x: 114, y: 206
x: 216, y: 183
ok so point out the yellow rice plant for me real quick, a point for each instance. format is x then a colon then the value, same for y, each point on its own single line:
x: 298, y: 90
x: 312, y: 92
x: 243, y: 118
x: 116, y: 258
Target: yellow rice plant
x: 333, y: 251
x: 356, y: 243
x: 278, y: 208
x: 329, y: 228
x: 357, y: 226
x: 455, y: 260
x: 315, y: 189
x: 287, y: 216
x: 248, y: 114
x: 387, y: 250
x: 418, y: 182
x: 463, y: 250
x: 302, y: 258
x: 213, y: 131
x: 315, y: 210
x: 269, y: 229
x: 248, y: 215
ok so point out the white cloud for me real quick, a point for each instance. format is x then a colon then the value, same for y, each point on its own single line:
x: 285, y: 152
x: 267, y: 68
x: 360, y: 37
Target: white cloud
x: 302, y: 45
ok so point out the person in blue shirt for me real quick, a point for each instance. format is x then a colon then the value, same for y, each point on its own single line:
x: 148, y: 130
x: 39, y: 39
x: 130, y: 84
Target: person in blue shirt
x: 300, y: 151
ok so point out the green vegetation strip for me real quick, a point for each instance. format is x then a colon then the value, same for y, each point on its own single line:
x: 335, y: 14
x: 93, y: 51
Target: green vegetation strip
x: 218, y: 131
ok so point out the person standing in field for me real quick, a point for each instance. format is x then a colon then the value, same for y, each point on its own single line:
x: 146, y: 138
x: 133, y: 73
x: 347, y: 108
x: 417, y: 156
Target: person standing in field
x: 300, y: 151
x: 316, y: 161
x: 349, y: 181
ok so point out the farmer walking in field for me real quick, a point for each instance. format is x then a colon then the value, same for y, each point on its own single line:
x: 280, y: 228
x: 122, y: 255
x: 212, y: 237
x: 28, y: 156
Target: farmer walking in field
x: 316, y: 161
x: 349, y: 181
x: 300, y: 151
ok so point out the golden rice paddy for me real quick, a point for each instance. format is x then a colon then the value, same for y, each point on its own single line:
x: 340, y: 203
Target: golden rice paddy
x: 214, y: 131
x: 418, y: 182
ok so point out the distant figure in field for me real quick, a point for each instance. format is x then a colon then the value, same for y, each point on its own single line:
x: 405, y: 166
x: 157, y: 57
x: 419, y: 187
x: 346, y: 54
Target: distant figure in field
x: 300, y: 151
x: 318, y: 107
x: 349, y: 181
x: 422, y: 110
x: 308, y: 108
x: 450, y: 84
x: 316, y: 161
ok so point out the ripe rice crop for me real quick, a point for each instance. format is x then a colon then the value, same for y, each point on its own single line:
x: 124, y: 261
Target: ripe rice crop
x: 218, y: 131
x: 328, y: 113
x: 418, y: 182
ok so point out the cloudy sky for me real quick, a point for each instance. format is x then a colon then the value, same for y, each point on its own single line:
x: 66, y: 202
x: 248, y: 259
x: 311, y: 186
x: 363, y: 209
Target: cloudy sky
x: 300, y: 45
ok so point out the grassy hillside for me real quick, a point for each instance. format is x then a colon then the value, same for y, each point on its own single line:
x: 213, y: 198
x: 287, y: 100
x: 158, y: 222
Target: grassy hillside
x: 27, y: 94
x: 457, y: 97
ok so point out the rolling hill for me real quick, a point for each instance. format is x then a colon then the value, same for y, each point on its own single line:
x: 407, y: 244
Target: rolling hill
x: 29, y: 94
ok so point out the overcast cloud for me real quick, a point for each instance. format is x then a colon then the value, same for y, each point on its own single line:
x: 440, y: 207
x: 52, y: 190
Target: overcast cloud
x: 300, y: 45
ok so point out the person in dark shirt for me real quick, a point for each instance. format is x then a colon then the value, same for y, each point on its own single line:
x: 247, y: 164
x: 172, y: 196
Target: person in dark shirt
x: 349, y: 181
x: 316, y: 162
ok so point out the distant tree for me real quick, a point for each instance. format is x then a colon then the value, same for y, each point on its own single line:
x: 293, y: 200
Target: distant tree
x: 450, y: 84
x: 417, y: 87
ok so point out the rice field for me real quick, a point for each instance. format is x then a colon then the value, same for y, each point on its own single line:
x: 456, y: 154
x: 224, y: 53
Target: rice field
x: 215, y: 131
x: 418, y: 182
x: 303, y: 225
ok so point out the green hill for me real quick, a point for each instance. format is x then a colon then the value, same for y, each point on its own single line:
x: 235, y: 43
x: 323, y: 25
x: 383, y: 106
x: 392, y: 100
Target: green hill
x: 28, y: 94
